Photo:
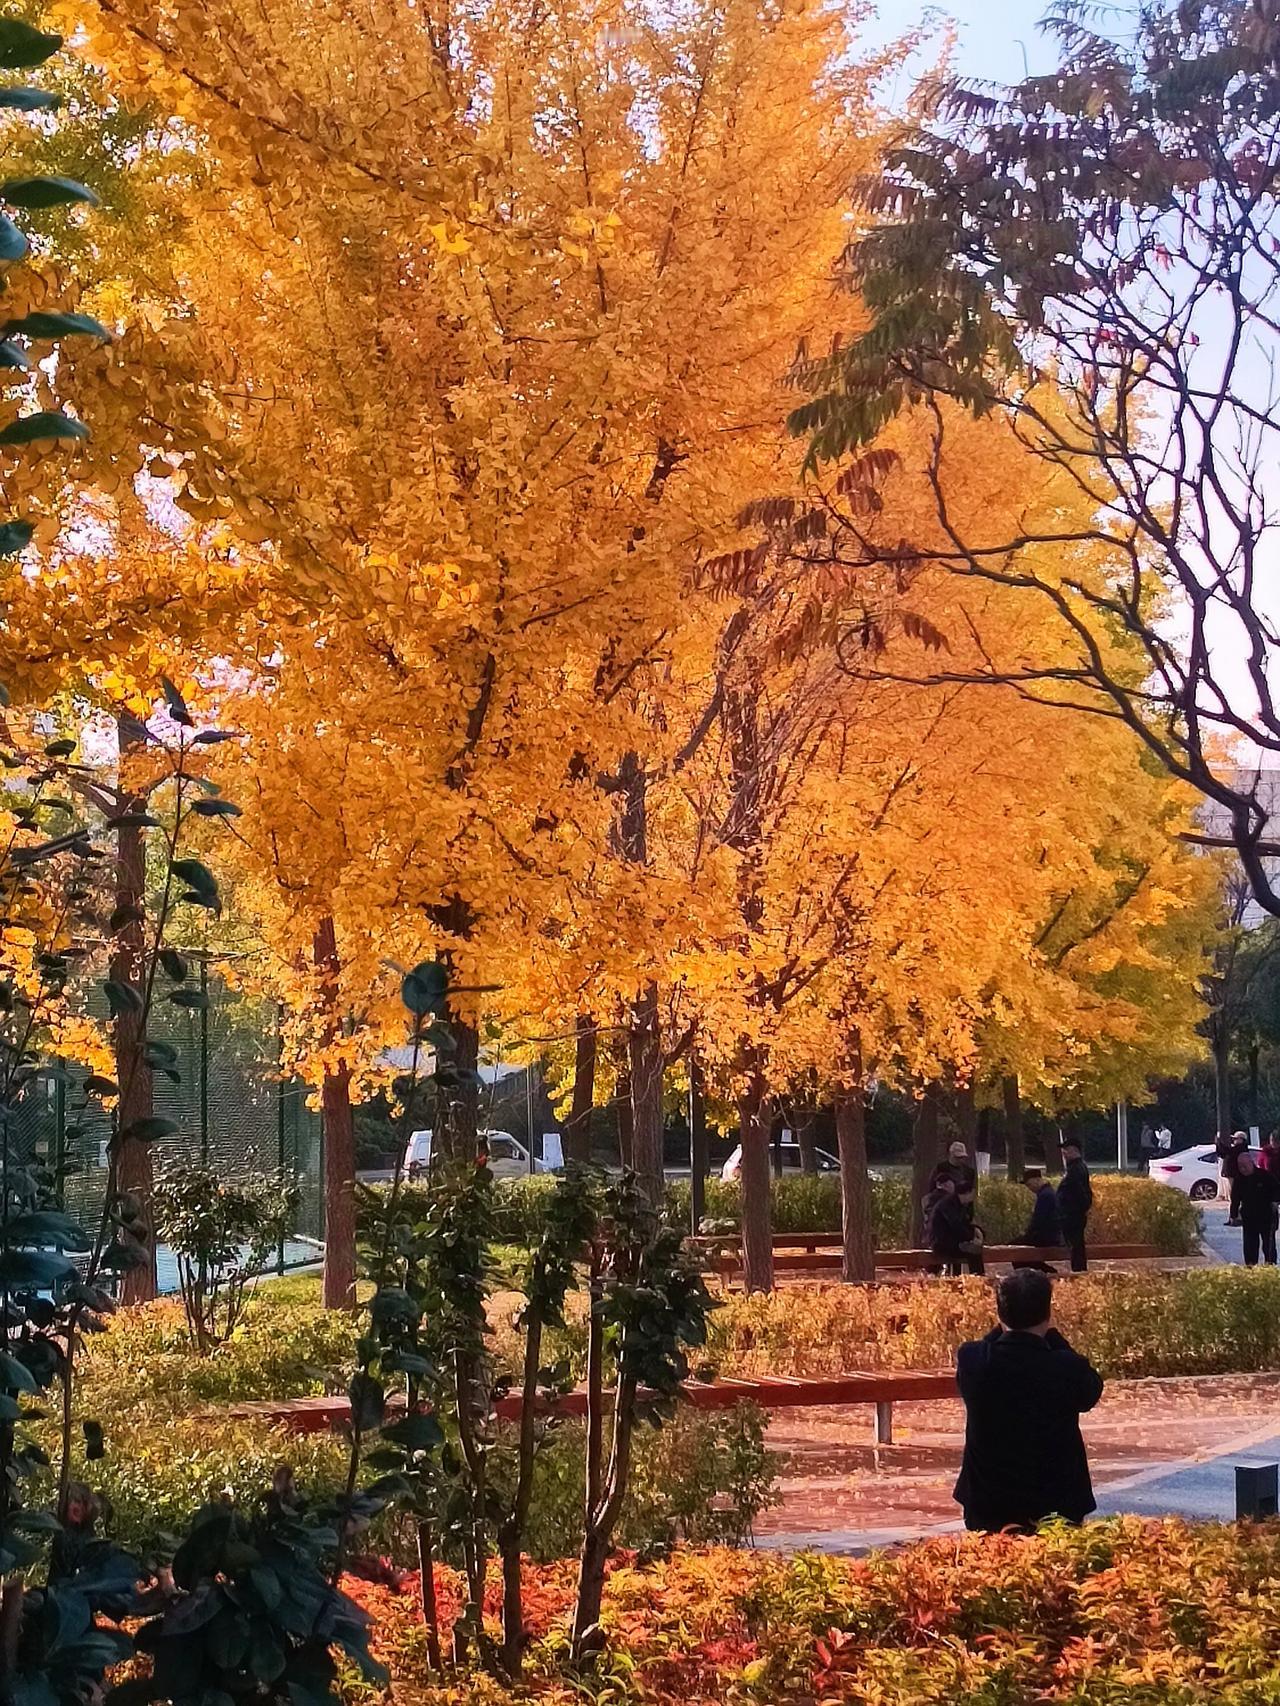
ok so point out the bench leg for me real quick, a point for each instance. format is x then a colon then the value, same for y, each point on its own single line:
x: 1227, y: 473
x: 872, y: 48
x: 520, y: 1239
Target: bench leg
x: 884, y: 1423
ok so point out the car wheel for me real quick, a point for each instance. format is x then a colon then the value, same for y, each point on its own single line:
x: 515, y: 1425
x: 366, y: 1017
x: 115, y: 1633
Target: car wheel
x: 1203, y: 1190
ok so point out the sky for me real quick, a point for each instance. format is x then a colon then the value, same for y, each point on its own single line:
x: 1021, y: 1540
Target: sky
x: 991, y: 34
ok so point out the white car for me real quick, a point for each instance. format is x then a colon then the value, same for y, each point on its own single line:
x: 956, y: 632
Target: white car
x: 1194, y: 1171
x: 508, y: 1157
x: 827, y: 1162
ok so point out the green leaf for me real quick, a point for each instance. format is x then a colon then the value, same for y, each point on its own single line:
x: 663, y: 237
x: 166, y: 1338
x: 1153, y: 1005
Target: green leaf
x: 368, y: 1402
x: 195, y: 998
x: 13, y: 357
x: 177, y: 706
x: 150, y: 1127
x: 215, y: 808
x: 212, y: 737
x: 21, y: 46
x: 423, y: 990
x: 121, y: 998
x: 15, y: 536
x: 416, y: 1432
x: 125, y: 915
x: 16, y: 1375
x: 21, y: 99
x: 41, y: 325
x: 46, y: 192
x: 46, y: 423
x: 174, y: 965
x: 95, y: 1446
x: 196, y: 876
x: 96, y: 1085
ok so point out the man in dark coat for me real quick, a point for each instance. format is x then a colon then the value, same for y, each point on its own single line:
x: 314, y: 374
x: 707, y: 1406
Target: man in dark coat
x: 1044, y: 1229
x: 1075, y: 1199
x: 1256, y: 1194
x: 953, y: 1237
x: 1024, y: 1391
x: 957, y: 1165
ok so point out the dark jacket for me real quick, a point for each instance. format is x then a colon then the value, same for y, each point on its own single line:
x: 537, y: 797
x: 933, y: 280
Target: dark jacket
x: 1024, y: 1459
x: 1075, y: 1197
x: 1256, y: 1197
x: 964, y: 1173
x: 950, y: 1227
x: 1231, y: 1158
x: 1044, y: 1229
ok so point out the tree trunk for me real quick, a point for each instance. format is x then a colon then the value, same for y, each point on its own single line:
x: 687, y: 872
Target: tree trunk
x: 644, y: 1044
x: 622, y: 1102
x: 857, y: 1230
x: 757, y: 1205
x: 926, y: 1148
x: 455, y: 1130
x: 1222, y: 1082
x: 1253, y: 1084
x: 577, y: 1131
x: 807, y: 1142
x: 982, y: 1140
x: 134, y: 1175
x: 697, y: 1143
x: 1014, y: 1149
x: 966, y: 1111
x: 339, y: 1138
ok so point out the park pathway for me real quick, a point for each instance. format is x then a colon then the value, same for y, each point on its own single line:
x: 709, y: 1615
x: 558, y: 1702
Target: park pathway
x: 1158, y: 1447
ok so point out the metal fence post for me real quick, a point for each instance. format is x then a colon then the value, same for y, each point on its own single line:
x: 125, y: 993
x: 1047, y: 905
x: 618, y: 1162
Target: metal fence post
x: 204, y: 1062
x: 280, y: 1135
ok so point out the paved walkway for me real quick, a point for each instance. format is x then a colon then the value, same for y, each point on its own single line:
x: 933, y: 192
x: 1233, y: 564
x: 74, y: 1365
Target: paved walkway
x: 1158, y: 1447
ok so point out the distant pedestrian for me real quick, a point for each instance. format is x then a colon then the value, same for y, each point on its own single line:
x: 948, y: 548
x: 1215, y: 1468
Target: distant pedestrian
x: 1237, y: 1146
x: 956, y: 1162
x: 1044, y: 1229
x: 954, y: 1237
x: 1256, y: 1194
x: 1075, y: 1199
x: 1024, y: 1391
x: 1269, y: 1158
x: 1147, y: 1147
x: 1164, y: 1139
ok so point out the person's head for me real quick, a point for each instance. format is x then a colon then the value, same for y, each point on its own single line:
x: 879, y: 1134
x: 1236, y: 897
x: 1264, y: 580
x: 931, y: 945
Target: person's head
x: 1273, y: 1142
x: 958, y: 1151
x: 947, y: 1183
x: 1240, y: 1139
x: 1246, y: 1165
x: 967, y: 1194
x: 1024, y: 1301
x: 1071, y: 1150
x: 1033, y: 1178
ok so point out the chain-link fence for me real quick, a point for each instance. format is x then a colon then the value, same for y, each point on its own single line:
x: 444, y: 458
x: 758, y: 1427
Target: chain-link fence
x: 232, y: 1108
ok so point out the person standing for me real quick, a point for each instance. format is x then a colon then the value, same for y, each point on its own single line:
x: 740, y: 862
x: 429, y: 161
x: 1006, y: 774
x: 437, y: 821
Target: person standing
x: 1256, y: 1193
x: 1075, y: 1199
x: 1024, y: 1391
x: 1164, y: 1138
x: 1269, y: 1158
x: 1147, y: 1147
x: 1044, y: 1229
x: 954, y: 1238
x: 1237, y: 1146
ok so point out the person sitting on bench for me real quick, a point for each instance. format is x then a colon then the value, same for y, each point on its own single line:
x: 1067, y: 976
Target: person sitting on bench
x: 1044, y: 1229
x: 953, y: 1237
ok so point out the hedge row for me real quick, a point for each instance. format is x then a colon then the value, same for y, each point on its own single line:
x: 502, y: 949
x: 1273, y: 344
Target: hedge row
x: 1206, y: 1321
x: 1127, y: 1210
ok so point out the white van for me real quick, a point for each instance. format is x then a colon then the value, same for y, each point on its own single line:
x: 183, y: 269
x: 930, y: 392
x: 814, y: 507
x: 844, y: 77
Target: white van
x: 508, y: 1157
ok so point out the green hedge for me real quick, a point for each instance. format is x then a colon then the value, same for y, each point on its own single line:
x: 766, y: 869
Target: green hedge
x: 1132, y: 1325
x: 1126, y: 1210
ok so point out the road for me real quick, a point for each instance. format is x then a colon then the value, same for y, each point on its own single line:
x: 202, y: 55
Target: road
x: 1223, y: 1240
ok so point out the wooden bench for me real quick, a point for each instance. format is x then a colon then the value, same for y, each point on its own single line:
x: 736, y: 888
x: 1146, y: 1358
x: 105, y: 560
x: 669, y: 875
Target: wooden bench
x: 815, y: 1255
x: 882, y: 1388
